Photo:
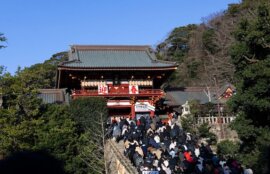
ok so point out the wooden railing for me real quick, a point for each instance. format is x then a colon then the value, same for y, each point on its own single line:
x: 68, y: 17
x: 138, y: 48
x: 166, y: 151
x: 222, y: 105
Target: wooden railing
x: 142, y: 92
x: 215, y: 120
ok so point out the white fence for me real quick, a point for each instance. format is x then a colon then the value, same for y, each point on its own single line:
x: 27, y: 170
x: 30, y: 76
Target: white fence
x: 215, y: 120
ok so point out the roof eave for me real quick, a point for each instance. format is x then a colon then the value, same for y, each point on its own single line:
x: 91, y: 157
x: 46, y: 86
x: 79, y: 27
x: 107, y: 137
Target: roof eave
x: 116, y: 68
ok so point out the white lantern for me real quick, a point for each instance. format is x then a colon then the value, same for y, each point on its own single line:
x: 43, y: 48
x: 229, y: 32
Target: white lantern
x: 144, y: 83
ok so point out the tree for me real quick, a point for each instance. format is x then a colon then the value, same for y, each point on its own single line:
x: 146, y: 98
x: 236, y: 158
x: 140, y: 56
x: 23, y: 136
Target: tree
x: 28, y: 125
x: 251, y: 56
x: 2, y: 39
x: 43, y: 75
x: 18, y: 132
x: 188, y: 123
x: 202, y: 51
x: 203, y: 131
x: 175, y: 47
x: 58, y: 135
x: 228, y: 148
x: 90, y: 115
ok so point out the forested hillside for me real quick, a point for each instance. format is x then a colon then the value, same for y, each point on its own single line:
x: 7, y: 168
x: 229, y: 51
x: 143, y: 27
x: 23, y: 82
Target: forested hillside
x: 203, y: 51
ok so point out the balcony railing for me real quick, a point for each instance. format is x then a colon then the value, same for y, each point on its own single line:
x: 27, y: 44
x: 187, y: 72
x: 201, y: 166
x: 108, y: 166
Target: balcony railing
x: 118, y: 93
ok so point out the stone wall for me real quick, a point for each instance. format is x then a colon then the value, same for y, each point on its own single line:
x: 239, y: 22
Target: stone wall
x: 223, y: 132
x: 116, y: 162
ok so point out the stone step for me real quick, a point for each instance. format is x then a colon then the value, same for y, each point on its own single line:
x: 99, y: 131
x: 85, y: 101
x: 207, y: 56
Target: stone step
x: 118, y: 149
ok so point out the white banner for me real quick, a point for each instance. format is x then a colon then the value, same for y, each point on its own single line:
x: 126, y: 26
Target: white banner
x: 141, y: 108
x: 102, y: 89
x: 150, y: 172
x: 144, y: 107
x: 150, y: 107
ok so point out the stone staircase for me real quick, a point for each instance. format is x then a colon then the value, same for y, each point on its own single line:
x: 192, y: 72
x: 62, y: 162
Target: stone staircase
x: 116, y: 161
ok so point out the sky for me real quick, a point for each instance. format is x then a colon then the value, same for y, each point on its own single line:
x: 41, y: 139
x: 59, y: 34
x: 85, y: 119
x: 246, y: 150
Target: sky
x: 37, y: 29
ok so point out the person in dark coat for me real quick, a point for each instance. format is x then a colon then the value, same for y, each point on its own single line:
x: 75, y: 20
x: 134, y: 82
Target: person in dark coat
x: 166, y: 132
x: 167, y: 142
x: 116, y: 132
x: 131, y: 149
x: 137, y: 159
x: 175, y: 131
x: 153, y: 143
x: 144, y: 149
x: 143, y: 120
x: 132, y: 126
x: 173, y: 163
x: 203, y: 151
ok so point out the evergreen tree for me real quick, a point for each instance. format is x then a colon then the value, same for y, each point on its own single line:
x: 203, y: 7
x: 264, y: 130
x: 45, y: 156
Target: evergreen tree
x: 251, y: 56
x: 2, y: 39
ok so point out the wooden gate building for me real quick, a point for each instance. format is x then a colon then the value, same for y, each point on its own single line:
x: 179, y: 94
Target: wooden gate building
x: 129, y: 77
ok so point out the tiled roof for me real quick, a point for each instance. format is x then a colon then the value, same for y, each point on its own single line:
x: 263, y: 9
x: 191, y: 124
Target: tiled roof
x: 223, y: 89
x: 180, y: 97
x: 83, y: 56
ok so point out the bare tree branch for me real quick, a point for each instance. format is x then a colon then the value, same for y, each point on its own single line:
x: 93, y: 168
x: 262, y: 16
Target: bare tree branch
x: 251, y: 60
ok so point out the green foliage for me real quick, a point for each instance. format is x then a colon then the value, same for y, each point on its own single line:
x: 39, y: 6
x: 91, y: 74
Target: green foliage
x: 90, y: 115
x: 86, y: 110
x: 245, y: 130
x: 2, y: 71
x: 251, y: 56
x: 27, y: 124
x: 193, y: 69
x: 254, y: 149
x: 228, y: 148
x: 208, y: 108
x: 201, y: 51
x: 208, y: 41
x: 17, y: 132
x: 38, y: 76
x: 2, y: 39
x: 25, y: 83
x: 188, y: 123
x: 58, y: 136
x: 52, y: 130
x: 175, y: 47
x: 203, y: 131
x: 42, y: 75
x: 195, y: 107
x: 233, y: 9
x: 20, y: 95
x: 21, y: 117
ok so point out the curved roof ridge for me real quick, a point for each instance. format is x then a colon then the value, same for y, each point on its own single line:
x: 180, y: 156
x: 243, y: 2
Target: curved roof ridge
x: 111, y: 47
x: 154, y: 59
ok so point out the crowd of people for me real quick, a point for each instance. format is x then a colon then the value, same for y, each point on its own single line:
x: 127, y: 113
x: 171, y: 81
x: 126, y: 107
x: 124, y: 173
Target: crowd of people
x: 164, y: 147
